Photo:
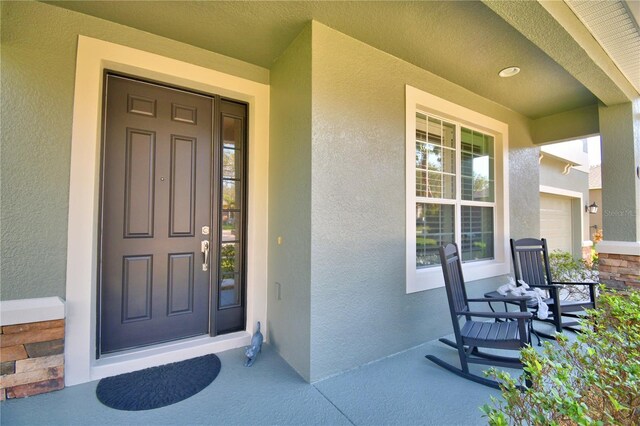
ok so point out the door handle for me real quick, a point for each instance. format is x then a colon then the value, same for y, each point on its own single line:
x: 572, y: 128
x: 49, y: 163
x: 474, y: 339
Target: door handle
x: 204, y: 248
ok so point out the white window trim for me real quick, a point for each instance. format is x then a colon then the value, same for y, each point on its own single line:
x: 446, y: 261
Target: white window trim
x: 93, y: 57
x: 429, y: 278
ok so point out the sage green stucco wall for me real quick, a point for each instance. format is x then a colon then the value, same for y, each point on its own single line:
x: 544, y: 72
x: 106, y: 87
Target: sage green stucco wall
x: 620, y: 139
x: 359, y: 307
x: 569, y: 125
x: 290, y: 204
x: 38, y: 57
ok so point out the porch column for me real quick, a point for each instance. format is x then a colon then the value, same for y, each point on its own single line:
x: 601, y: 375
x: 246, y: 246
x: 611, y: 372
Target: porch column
x: 620, y: 250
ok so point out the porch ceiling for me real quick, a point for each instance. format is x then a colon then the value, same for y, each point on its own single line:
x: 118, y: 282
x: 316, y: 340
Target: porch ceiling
x: 464, y: 42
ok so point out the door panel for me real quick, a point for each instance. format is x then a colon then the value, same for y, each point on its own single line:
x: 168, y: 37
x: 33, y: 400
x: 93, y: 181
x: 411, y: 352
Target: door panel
x: 156, y: 197
x: 181, y: 271
x: 556, y: 223
x: 139, y: 183
x: 136, y: 288
x: 183, y: 189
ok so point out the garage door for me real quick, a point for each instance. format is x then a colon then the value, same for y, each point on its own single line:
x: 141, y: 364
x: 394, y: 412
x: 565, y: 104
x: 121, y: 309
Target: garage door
x: 555, y: 222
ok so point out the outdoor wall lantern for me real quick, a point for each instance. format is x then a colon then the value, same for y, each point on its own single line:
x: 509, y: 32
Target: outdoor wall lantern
x: 591, y: 209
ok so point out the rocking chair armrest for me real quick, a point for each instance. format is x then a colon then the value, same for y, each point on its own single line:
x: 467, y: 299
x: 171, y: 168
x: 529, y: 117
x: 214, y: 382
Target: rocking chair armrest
x: 501, y: 299
x: 506, y: 315
x: 520, y: 300
x: 547, y: 286
x: 574, y: 283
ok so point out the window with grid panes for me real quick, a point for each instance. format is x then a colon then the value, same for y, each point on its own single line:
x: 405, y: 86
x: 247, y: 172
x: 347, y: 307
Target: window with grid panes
x: 455, y: 190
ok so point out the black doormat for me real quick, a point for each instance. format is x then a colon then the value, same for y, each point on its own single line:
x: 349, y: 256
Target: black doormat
x: 157, y: 387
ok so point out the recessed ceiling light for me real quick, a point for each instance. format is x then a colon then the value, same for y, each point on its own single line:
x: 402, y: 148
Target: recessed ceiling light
x: 509, y: 72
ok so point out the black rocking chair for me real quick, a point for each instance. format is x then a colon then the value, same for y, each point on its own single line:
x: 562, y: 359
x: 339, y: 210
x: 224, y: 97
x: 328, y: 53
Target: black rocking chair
x: 511, y: 333
x: 531, y: 265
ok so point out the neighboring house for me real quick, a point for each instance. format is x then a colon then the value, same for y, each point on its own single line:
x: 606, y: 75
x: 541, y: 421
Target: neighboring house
x: 564, y: 222
x: 294, y: 163
x: 595, y: 195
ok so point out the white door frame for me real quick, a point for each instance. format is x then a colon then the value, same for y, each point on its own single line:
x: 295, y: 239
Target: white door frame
x: 93, y: 58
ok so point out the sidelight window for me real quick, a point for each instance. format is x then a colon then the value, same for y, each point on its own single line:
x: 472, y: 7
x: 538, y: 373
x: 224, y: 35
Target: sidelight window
x: 231, y: 212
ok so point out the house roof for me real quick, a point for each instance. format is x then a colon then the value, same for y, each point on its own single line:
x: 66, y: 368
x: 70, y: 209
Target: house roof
x: 595, y: 177
x: 467, y: 43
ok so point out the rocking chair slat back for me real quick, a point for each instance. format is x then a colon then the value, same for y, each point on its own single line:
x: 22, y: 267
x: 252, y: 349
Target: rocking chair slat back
x: 454, y: 281
x: 530, y: 260
x: 531, y: 264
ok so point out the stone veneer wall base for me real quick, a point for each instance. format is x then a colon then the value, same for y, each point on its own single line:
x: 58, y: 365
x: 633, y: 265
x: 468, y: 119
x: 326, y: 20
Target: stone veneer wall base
x: 31, y: 347
x: 619, y: 271
x: 31, y: 358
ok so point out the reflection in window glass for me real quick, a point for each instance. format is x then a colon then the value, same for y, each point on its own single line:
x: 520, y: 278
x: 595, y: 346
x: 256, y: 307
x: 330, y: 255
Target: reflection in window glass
x: 229, y: 293
x: 229, y: 163
x: 477, y: 233
x: 435, y: 131
x: 435, y: 158
x: 230, y: 194
x: 230, y: 226
x: 231, y: 132
x: 435, y: 226
x: 477, y: 169
x: 228, y: 258
x: 440, y: 185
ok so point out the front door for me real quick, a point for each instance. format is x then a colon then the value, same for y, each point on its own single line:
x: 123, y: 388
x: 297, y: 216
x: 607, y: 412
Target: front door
x: 158, y: 207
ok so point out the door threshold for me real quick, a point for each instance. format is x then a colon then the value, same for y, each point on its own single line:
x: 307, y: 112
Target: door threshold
x: 165, y: 353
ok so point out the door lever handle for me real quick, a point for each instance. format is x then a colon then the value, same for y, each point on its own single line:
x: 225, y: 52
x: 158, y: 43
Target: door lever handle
x: 204, y: 248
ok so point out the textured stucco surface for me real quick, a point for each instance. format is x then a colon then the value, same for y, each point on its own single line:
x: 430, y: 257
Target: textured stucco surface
x: 595, y: 196
x: 551, y: 175
x: 290, y: 204
x: 424, y: 33
x: 620, y: 139
x: 524, y: 180
x: 37, y: 81
x: 574, y: 124
x: 359, y: 307
x: 554, y: 28
x: 524, y: 187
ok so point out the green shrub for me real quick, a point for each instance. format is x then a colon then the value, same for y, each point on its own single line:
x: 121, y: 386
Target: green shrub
x: 564, y: 267
x: 594, y: 380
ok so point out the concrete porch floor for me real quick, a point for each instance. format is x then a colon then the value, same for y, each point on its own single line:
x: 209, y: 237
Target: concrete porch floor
x: 403, y: 389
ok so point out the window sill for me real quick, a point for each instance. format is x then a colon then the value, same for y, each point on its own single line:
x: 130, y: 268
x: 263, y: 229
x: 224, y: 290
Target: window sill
x: 430, y: 278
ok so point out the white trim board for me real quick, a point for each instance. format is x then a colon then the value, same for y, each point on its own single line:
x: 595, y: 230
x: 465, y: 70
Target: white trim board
x: 93, y: 58
x: 631, y: 248
x: 24, y: 311
x: 560, y: 191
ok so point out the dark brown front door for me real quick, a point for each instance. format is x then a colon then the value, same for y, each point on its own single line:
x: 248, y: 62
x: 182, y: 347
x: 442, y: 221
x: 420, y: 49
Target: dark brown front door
x: 157, y: 205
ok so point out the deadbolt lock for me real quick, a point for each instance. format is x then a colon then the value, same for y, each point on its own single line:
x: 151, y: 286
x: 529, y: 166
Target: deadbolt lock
x: 205, y: 230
